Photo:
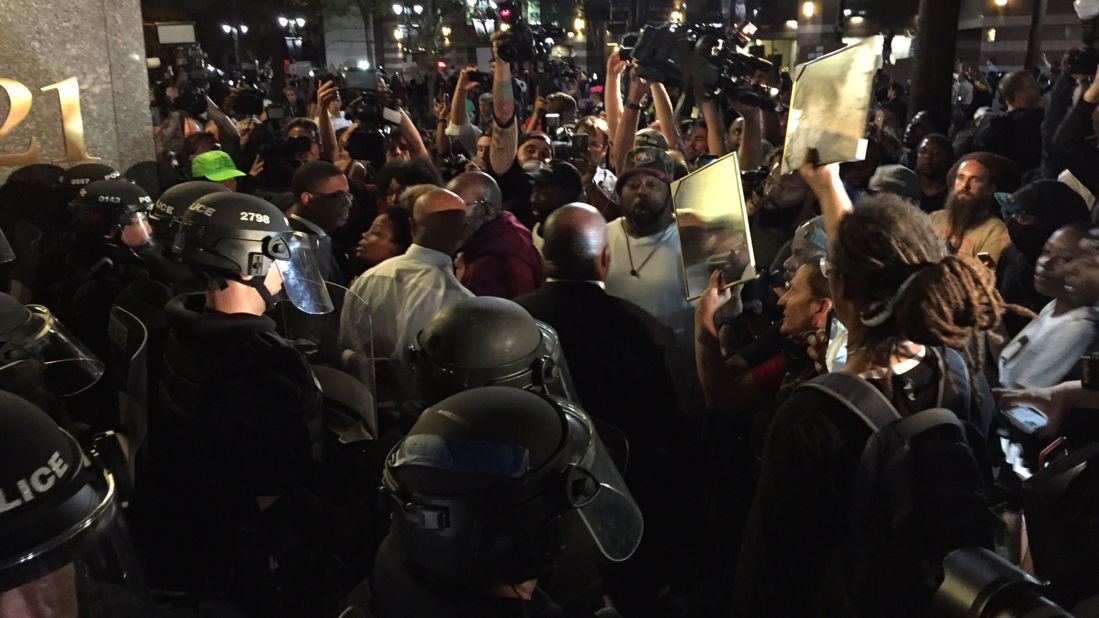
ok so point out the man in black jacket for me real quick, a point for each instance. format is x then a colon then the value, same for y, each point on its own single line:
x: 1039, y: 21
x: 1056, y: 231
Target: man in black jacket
x: 1016, y: 134
x: 618, y: 356
x: 322, y: 205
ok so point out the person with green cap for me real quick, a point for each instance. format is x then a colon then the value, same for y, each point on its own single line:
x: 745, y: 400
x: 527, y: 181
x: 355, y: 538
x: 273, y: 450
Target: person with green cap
x: 216, y: 166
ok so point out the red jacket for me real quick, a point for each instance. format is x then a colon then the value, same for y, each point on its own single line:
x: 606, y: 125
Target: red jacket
x: 500, y: 259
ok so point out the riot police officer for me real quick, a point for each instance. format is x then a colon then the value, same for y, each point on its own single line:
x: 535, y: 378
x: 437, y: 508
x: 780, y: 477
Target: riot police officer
x: 63, y: 548
x: 39, y: 360
x: 163, y: 276
x: 228, y: 500
x: 487, y: 341
x: 479, y: 491
x: 54, y: 221
x: 109, y: 225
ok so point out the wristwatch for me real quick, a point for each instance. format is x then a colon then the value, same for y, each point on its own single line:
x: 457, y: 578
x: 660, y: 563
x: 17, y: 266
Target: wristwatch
x: 1089, y: 366
x: 632, y: 105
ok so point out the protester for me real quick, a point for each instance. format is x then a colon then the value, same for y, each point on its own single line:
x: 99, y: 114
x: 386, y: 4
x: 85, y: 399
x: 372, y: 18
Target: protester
x: 969, y: 222
x: 498, y: 257
x: 933, y: 160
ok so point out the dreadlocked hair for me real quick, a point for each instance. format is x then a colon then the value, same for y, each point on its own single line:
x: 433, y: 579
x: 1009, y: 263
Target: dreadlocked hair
x: 896, y: 267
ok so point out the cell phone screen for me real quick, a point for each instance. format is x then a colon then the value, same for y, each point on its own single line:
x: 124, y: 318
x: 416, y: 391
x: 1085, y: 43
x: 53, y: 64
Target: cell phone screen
x: 1026, y: 419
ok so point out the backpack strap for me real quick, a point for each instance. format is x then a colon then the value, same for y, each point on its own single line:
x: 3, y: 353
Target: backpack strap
x: 867, y: 402
x: 954, y: 394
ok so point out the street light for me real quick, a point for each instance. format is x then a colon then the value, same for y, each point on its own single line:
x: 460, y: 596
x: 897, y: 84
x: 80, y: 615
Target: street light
x: 578, y: 24
x: 226, y: 28
x: 397, y: 9
x: 809, y: 9
x: 417, y: 9
x: 446, y: 31
x: 292, y: 26
x: 1001, y: 3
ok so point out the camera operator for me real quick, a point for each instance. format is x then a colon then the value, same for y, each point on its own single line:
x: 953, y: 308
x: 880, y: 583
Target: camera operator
x: 509, y: 157
x: 597, y: 180
x: 459, y: 126
x: 1074, y: 140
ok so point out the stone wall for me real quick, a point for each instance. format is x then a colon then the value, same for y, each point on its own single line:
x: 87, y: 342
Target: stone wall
x: 100, y: 43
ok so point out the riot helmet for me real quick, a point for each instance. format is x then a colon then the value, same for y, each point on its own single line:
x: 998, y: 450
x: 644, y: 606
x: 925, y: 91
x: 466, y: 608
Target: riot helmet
x: 64, y: 548
x: 79, y: 176
x: 171, y: 205
x: 115, y: 209
x: 487, y: 341
x: 480, y: 485
x: 39, y: 356
x: 240, y: 237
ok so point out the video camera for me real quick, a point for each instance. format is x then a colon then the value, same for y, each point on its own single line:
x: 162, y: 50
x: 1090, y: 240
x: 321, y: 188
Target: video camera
x: 522, y: 41
x: 196, y: 78
x: 703, y: 56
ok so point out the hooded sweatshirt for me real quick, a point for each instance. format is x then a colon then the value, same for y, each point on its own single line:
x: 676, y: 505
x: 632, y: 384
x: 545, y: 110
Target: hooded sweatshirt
x: 500, y: 259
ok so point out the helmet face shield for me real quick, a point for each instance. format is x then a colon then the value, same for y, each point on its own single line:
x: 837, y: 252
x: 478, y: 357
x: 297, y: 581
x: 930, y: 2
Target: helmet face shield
x: 69, y: 366
x: 75, y: 559
x: 137, y: 232
x: 295, y: 257
x: 597, y: 491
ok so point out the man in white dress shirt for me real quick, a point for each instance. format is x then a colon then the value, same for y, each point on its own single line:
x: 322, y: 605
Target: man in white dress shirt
x: 405, y: 292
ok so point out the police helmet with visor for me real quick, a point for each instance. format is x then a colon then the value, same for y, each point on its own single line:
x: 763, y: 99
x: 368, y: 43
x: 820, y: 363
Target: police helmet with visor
x: 240, y: 237
x: 480, y: 486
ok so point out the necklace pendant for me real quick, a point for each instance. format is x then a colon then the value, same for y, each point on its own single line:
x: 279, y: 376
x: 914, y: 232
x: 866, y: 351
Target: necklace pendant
x: 635, y: 274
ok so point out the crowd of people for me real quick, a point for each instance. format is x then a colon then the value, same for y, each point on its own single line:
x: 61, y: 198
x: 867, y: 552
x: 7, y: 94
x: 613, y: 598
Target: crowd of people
x: 349, y: 364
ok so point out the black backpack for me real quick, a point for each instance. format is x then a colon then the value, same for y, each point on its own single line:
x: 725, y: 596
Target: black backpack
x: 919, y: 493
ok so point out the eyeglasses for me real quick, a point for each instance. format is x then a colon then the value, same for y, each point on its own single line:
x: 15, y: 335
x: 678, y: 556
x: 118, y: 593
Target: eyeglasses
x: 825, y: 267
x: 476, y: 203
x: 335, y: 196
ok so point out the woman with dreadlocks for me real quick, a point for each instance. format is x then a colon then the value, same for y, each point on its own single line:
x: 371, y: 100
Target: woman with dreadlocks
x: 905, y: 302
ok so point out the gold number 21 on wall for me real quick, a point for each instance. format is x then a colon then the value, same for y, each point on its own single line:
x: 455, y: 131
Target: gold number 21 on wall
x: 72, y: 122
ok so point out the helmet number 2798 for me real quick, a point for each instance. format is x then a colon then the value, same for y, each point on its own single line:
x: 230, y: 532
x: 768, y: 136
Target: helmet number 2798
x: 255, y: 216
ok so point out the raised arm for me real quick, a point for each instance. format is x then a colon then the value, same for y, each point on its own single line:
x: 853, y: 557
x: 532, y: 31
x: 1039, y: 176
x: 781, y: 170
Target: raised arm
x: 505, y: 135
x: 612, y: 91
x: 627, y: 126
x: 228, y: 134
x: 751, y: 142
x: 665, y: 115
x: 330, y: 148
x: 715, y: 128
x: 412, y: 137
x: 825, y: 182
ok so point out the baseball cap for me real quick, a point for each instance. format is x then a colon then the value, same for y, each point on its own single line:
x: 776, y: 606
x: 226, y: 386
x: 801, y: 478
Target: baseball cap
x: 215, y: 165
x: 646, y: 160
x: 896, y: 179
x: 536, y: 135
x: 651, y: 138
x: 1045, y: 198
x: 559, y: 173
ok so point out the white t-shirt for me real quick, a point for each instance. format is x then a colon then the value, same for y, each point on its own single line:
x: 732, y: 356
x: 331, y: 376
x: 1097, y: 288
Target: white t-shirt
x: 659, y: 287
x: 1048, y: 348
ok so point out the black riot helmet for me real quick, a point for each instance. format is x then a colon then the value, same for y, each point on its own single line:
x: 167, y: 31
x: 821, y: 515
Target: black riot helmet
x: 106, y: 207
x: 241, y: 237
x: 487, y: 341
x: 480, y: 484
x: 38, y: 356
x: 79, y: 176
x: 171, y: 205
x: 63, y: 546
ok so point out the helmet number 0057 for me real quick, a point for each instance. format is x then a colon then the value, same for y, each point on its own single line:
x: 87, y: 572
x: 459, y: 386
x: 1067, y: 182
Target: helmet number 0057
x: 255, y: 216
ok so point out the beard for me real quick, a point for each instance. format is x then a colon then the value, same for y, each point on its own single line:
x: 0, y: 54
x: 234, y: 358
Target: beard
x: 645, y: 214
x: 966, y: 211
